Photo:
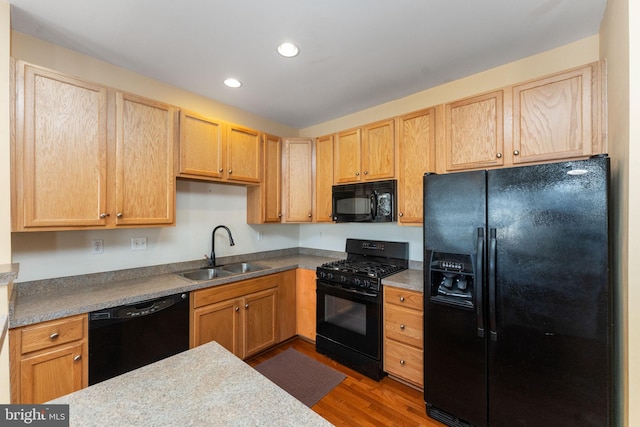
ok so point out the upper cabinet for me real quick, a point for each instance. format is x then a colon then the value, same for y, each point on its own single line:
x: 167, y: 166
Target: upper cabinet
x: 297, y: 172
x: 86, y: 156
x: 416, y: 155
x: 264, y: 201
x: 324, y: 179
x: 217, y: 151
x: 365, y: 154
x: 473, y: 134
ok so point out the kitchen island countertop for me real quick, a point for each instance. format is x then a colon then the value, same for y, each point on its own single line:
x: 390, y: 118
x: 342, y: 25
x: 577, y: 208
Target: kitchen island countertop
x: 206, y: 385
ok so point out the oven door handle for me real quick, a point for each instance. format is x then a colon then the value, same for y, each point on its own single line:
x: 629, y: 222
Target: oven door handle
x: 353, y: 291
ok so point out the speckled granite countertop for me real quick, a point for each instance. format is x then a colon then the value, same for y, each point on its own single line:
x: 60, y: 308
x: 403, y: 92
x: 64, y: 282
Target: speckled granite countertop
x: 206, y: 385
x: 42, y: 300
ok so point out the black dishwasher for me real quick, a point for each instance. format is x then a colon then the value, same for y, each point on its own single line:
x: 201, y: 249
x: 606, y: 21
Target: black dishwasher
x: 127, y: 337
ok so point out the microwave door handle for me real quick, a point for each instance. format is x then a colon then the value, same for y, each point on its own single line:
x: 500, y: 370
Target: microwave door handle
x: 374, y: 204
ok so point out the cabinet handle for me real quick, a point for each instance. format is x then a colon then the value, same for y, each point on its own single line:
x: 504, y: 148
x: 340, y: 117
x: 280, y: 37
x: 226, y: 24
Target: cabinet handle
x: 309, y: 215
x: 119, y: 215
x: 237, y: 308
x: 357, y: 173
x: 401, y: 299
x: 246, y: 306
x: 516, y: 152
x: 499, y: 155
x: 366, y: 172
x: 221, y: 170
x: 402, y: 362
x: 230, y: 171
x: 279, y: 215
x: 104, y: 215
x: 54, y: 336
x: 77, y: 357
x: 401, y: 214
x: 402, y: 327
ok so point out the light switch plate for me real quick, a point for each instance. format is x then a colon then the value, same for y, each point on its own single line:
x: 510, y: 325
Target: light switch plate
x: 138, y: 243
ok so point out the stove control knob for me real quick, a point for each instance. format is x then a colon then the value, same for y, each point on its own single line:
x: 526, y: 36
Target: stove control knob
x: 329, y: 276
x: 357, y: 281
x: 343, y: 279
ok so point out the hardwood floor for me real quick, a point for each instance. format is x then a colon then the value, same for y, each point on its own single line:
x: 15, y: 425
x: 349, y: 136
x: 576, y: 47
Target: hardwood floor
x: 359, y: 400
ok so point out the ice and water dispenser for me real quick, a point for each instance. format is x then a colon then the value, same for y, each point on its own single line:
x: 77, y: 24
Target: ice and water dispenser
x: 452, y: 279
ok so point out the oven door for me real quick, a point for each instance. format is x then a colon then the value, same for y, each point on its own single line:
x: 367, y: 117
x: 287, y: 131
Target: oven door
x: 350, y: 318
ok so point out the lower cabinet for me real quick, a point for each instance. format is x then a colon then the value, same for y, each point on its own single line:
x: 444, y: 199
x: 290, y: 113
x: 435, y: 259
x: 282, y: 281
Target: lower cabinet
x: 403, y: 335
x: 49, y: 359
x: 241, y: 316
x: 306, y: 303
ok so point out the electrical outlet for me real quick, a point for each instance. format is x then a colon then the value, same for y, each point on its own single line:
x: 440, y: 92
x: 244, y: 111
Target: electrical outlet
x: 97, y: 247
x: 138, y: 243
x: 259, y: 235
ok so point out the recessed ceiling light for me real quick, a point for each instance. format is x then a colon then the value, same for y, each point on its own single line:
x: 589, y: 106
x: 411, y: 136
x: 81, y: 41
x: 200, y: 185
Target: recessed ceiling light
x: 232, y: 82
x: 288, y: 50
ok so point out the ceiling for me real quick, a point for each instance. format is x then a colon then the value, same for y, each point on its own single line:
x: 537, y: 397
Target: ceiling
x: 353, y: 54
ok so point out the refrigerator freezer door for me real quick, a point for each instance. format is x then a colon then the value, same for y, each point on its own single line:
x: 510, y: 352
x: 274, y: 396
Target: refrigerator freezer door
x: 550, y: 361
x: 455, y: 349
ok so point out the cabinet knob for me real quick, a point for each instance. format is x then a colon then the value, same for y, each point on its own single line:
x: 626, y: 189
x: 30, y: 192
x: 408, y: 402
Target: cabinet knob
x: 401, y: 214
x: 401, y: 299
x: 366, y: 172
x: 237, y: 308
x: 77, y: 357
x: 221, y: 170
x: 357, y: 173
x: 54, y: 336
x: 119, y: 215
x: 516, y: 152
x: 402, y: 327
x: 309, y: 215
x: 499, y: 155
x: 246, y: 306
x: 402, y: 362
x: 104, y: 215
x: 279, y: 215
x: 230, y: 171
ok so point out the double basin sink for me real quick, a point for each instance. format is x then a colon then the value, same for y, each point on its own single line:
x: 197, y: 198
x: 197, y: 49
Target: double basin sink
x: 209, y: 273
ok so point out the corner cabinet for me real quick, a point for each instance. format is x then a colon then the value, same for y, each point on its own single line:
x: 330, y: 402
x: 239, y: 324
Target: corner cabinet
x: 365, y: 154
x: 48, y: 359
x: 416, y: 155
x: 87, y: 156
x: 297, y: 177
x: 403, y: 335
x: 264, y: 201
x: 241, y: 316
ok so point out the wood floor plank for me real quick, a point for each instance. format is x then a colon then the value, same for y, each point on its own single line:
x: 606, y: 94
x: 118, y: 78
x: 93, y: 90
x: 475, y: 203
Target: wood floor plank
x: 359, y: 400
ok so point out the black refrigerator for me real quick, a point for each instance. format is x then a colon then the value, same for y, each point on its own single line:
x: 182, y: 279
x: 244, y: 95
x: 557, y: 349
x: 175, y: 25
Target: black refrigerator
x: 518, y: 296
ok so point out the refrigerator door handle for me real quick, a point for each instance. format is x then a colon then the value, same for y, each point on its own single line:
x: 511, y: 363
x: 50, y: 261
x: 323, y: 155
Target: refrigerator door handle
x: 493, y: 331
x: 478, y: 285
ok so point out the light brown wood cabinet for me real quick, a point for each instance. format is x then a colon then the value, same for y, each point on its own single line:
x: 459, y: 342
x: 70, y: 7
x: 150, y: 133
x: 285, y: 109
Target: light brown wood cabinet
x: 87, y: 156
x: 306, y: 303
x: 264, y: 201
x: 287, y: 305
x: 403, y: 335
x: 241, y: 316
x: 297, y: 173
x: 323, y: 179
x: 201, y: 147
x: 48, y: 359
x: 365, y: 154
x: 416, y: 155
x: 243, y: 155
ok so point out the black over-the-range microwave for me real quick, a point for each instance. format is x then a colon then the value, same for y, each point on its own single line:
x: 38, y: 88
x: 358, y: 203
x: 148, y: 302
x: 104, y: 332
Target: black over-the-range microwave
x: 365, y: 202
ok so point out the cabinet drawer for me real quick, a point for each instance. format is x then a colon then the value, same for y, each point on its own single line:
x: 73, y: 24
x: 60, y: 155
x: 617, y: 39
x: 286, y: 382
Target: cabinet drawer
x: 49, y: 334
x: 403, y: 297
x: 238, y: 289
x: 404, y: 325
x: 404, y: 361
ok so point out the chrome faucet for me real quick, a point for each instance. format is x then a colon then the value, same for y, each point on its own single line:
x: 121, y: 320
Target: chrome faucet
x: 212, y: 259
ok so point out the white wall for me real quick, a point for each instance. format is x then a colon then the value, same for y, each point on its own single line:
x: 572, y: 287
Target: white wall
x: 199, y: 208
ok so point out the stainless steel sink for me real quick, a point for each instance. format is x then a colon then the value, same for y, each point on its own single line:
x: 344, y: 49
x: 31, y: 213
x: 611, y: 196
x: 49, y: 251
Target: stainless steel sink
x: 205, y: 274
x: 243, y: 267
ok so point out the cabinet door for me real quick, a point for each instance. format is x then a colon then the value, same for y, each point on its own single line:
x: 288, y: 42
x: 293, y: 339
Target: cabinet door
x: 243, y: 155
x: 378, y: 151
x: 346, y: 163
x: 324, y: 179
x: 49, y: 375
x: 145, y: 181
x: 306, y: 303
x: 297, y: 173
x: 272, y: 178
x: 259, y: 321
x: 416, y: 155
x: 474, y: 132
x: 552, y: 117
x: 287, y: 305
x: 201, y: 146
x: 218, y: 322
x: 61, y: 151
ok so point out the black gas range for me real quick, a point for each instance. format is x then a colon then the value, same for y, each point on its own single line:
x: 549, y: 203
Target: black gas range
x: 349, y: 303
